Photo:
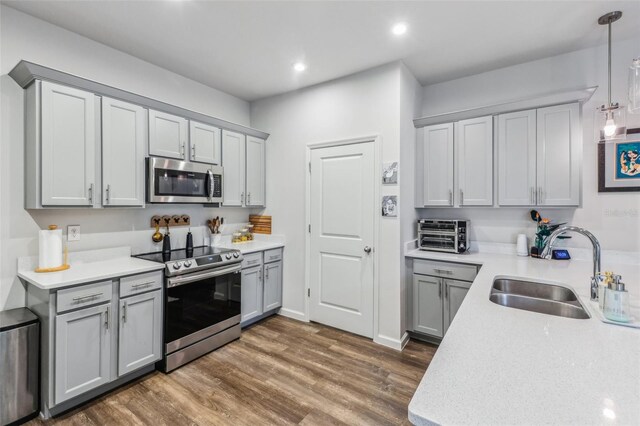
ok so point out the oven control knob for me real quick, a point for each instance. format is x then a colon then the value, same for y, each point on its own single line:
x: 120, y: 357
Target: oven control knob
x: 187, y: 263
x: 236, y: 255
x: 227, y: 256
x: 177, y: 265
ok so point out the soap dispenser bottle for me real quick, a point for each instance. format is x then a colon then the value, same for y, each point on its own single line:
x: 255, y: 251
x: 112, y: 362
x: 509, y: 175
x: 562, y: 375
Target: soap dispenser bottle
x: 616, y: 301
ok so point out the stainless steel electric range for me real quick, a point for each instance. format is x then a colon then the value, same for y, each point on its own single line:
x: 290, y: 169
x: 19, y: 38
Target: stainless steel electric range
x: 201, y: 301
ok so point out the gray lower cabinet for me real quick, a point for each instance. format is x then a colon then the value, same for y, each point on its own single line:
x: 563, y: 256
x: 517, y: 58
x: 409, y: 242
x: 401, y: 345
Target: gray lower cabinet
x: 82, y: 351
x: 251, y: 293
x: 261, y: 285
x: 427, y: 305
x: 140, y: 334
x: 438, y: 296
x: 272, y: 285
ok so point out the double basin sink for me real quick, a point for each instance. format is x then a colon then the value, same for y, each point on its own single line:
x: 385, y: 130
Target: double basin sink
x: 537, y: 297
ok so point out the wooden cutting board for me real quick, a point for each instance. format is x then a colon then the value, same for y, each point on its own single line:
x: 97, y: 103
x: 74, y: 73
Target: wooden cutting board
x: 261, y: 224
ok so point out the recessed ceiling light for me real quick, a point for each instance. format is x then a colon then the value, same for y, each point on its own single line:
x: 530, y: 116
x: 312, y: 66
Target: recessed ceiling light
x: 399, y: 29
x: 299, y: 66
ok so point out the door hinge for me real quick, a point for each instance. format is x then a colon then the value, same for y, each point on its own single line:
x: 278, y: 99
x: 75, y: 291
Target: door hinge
x: 309, y: 228
x: 309, y: 166
x: 308, y: 292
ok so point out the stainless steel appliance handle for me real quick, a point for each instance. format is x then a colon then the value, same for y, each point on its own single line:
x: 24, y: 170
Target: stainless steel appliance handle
x: 210, y: 174
x: 176, y: 281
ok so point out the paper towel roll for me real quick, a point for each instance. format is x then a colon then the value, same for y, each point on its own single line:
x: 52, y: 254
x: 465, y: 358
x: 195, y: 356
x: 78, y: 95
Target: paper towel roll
x: 50, y: 248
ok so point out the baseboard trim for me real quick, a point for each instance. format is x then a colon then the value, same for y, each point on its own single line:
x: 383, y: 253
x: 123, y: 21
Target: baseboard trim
x: 296, y: 315
x: 397, y: 344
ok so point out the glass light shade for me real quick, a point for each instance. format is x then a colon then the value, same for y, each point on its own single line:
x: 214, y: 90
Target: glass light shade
x: 610, y: 123
x: 634, y: 86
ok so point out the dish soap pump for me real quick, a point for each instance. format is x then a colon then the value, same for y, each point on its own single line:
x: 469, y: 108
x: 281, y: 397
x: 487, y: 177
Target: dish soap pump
x: 616, y: 301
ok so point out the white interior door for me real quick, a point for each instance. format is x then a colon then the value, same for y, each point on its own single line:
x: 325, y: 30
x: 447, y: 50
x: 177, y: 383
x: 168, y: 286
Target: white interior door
x: 342, y: 233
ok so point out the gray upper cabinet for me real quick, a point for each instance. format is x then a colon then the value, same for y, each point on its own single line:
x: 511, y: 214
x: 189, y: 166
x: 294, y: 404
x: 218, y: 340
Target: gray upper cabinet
x: 82, y: 351
x: 517, y: 158
x: 251, y: 301
x: 205, y: 143
x: 474, y: 152
x: 272, y: 285
x: 140, y: 337
x: 435, y: 166
x: 454, y: 293
x: 427, y: 305
x: 123, y: 147
x: 167, y: 135
x: 68, y: 143
x: 233, y: 161
x: 558, y: 155
x: 255, y: 173
x: 539, y: 156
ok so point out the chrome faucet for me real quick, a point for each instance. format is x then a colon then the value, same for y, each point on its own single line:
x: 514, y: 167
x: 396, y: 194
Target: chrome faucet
x: 546, y: 253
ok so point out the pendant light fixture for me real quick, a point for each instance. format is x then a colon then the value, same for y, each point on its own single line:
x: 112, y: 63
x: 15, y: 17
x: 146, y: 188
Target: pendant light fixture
x: 611, y: 117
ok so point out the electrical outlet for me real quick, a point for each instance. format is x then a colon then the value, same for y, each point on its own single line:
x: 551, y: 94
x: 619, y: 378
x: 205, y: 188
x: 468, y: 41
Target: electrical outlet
x: 73, y: 233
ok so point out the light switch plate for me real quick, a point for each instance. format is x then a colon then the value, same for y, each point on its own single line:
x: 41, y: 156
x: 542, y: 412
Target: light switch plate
x: 73, y: 233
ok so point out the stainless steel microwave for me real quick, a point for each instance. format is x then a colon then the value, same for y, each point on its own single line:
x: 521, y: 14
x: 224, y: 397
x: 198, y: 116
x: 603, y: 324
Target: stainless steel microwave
x: 174, y: 181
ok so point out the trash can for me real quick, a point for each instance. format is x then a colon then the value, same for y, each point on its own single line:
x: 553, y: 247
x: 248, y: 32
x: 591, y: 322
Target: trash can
x: 19, y: 365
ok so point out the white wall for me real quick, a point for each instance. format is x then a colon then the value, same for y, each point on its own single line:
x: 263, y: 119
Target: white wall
x: 613, y: 217
x: 363, y: 104
x: 24, y: 37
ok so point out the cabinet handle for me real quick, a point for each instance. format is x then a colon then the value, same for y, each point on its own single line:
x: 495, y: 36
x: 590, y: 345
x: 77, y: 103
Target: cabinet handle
x: 182, y: 151
x: 461, y: 197
x: 124, y: 312
x: 88, y: 296
x: 193, y: 151
x: 532, y: 196
x: 446, y: 291
x: 267, y: 272
x: 91, y: 194
x: 106, y: 317
x: 137, y: 286
x: 439, y: 289
x: 108, y: 192
x: 248, y: 198
x: 450, y: 197
x: 242, y: 198
x: 540, y: 201
x: 443, y: 271
x: 273, y: 257
x: 251, y: 262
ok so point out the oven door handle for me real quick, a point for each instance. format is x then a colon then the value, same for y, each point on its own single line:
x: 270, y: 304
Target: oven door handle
x: 176, y: 281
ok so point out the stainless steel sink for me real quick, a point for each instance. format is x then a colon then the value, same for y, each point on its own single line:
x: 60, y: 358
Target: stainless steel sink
x: 537, y: 297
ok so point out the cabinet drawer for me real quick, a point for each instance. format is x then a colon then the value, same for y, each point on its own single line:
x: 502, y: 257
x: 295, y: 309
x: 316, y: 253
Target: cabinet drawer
x: 272, y: 255
x: 136, y: 284
x: 456, y: 271
x: 252, y: 259
x: 86, y: 295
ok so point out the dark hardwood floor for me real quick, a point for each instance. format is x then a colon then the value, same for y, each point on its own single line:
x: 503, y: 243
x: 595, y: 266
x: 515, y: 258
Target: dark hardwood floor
x: 279, y: 372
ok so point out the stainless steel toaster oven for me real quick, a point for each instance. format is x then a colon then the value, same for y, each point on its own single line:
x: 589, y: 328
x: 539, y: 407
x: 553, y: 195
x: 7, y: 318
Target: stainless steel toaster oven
x: 447, y: 235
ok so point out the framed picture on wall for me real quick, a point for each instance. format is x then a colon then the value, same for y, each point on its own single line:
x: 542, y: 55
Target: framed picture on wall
x: 389, y: 206
x: 619, y: 164
x: 390, y: 173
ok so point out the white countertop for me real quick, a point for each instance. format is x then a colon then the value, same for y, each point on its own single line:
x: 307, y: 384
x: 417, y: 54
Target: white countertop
x: 252, y: 246
x: 87, y: 266
x: 500, y: 365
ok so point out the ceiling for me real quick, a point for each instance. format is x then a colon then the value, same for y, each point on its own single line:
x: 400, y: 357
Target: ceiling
x: 247, y: 48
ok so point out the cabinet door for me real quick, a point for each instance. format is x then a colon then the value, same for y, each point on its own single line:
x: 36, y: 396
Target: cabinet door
x: 427, y: 305
x: 437, y: 165
x: 255, y: 172
x: 559, y: 155
x: 68, y: 146
x: 517, y: 158
x: 251, y: 292
x: 167, y: 135
x: 140, y: 338
x: 454, y: 293
x: 204, y: 141
x: 82, y: 348
x: 272, y: 285
x: 233, y: 161
x: 123, y: 141
x: 474, y: 150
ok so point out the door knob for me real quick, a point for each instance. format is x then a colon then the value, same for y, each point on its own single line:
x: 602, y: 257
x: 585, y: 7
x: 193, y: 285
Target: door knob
x: 367, y: 249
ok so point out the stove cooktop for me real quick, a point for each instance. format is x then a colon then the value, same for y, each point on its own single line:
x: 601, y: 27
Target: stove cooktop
x: 182, y: 254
